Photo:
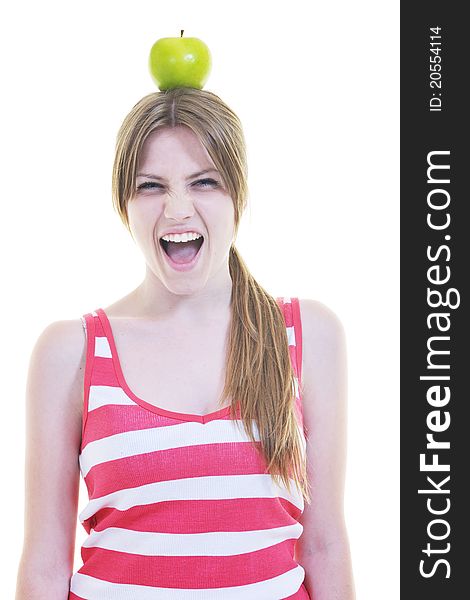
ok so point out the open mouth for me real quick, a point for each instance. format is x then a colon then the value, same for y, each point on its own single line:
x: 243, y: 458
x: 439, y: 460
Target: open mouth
x: 182, y: 252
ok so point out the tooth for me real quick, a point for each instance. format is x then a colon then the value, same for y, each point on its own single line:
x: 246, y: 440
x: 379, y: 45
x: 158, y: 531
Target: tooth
x: 172, y: 237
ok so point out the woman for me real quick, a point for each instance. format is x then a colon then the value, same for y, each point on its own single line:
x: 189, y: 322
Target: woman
x: 201, y: 411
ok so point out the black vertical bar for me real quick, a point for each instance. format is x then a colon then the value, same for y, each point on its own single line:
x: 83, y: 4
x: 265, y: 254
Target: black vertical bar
x: 435, y: 254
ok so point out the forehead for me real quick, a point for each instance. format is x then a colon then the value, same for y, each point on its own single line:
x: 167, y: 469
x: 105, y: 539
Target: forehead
x: 173, y: 145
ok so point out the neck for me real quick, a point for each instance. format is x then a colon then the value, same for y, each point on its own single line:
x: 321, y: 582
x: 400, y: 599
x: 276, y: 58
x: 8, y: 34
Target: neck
x: 154, y: 299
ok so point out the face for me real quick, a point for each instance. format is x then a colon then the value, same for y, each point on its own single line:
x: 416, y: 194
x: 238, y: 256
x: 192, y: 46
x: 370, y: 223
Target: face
x: 172, y: 194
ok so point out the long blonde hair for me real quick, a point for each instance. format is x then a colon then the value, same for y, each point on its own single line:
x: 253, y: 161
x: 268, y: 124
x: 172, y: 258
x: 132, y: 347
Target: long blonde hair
x: 259, y: 374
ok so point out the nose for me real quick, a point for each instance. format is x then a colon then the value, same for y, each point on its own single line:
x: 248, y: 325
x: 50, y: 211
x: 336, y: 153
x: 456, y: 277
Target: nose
x: 179, y: 206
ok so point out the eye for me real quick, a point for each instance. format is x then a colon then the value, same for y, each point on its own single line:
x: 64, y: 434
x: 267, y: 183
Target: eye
x: 207, y: 182
x: 148, y: 185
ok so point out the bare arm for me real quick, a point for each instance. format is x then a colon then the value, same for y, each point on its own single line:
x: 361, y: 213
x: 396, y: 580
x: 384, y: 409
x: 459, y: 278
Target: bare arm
x: 54, y: 393
x: 323, y: 549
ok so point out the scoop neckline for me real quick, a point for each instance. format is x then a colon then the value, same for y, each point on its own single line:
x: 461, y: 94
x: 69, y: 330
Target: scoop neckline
x: 216, y: 414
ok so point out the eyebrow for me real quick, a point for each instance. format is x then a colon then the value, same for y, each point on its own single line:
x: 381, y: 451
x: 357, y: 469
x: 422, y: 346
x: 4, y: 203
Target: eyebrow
x: 151, y: 176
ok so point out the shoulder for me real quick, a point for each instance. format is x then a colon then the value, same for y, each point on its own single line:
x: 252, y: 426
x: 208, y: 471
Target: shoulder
x: 57, y: 363
x: 323, y: 333
x: 320, y: 323
x: 323, y: 360
x: 59, y: 342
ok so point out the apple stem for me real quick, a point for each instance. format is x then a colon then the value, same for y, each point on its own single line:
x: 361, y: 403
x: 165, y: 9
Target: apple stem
x: 182, y: 32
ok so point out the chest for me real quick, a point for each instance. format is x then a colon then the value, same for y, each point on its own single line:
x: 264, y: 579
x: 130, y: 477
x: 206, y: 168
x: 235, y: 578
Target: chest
x: 177, y: 369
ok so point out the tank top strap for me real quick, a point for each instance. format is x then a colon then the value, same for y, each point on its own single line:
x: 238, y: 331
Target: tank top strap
x: 291, y: 310
x: 97, y: 346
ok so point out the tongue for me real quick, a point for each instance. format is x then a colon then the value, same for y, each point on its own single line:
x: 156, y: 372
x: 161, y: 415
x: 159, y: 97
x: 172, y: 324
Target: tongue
x: 183, y: 252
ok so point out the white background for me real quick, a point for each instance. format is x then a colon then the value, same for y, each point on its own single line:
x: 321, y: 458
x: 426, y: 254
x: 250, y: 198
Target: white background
x: 316, y: 87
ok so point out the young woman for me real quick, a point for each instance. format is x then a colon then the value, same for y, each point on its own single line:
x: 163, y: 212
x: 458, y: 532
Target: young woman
x: 206, y: 417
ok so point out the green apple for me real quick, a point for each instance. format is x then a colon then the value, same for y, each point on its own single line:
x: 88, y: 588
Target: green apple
x: 180, y: 62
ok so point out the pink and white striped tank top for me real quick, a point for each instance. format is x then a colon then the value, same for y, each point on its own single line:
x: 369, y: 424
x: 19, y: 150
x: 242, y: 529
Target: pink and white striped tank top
x: 181, y: 506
